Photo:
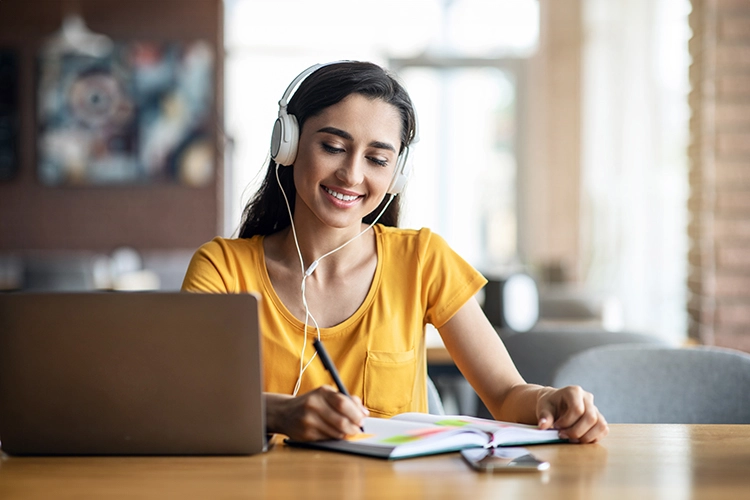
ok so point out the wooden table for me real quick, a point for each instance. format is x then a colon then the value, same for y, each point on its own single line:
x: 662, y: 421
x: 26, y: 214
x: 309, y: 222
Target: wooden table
x: 634, y: 461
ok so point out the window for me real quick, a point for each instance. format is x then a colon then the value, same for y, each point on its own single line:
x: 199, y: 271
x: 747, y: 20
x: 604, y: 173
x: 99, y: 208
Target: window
x: 464, y: 185
x: 461, y: 66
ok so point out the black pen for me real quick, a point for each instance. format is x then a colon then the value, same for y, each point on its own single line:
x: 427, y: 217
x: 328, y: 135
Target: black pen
x: 323, y: 354
x: 330, y: 366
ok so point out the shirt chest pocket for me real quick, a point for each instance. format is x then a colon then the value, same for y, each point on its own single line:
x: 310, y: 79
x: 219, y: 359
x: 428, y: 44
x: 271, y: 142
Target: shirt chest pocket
x: 389, y: 382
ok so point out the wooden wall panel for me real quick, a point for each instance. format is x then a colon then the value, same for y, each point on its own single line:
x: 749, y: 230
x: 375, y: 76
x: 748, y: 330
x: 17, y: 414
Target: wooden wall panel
x: 720, y: 173
x: 159, y: 216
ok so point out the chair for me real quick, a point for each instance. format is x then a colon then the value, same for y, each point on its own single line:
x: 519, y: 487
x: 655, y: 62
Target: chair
x: 653, y: 384
x: 434, y: 403
x: 539, y: 353
x: 59, y: 273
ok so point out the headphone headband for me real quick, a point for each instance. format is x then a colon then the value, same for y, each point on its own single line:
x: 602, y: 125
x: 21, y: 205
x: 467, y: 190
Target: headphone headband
x: 285, y: 134
x: 298, y: 79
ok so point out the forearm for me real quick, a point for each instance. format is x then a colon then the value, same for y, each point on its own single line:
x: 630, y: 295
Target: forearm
x: 275, y: 413
x: 518, y: 404
x: 480, y: 355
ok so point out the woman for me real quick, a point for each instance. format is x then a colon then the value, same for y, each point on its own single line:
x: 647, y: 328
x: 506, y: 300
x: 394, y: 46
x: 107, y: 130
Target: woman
x: 366, y: 292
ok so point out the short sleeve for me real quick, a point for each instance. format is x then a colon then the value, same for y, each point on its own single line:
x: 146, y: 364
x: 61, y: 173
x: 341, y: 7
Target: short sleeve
x: 209, y: 270
x: 448, y: 280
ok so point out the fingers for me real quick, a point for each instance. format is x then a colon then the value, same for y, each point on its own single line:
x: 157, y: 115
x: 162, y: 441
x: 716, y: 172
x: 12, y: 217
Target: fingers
x: 577, y: 418
x: 571, y: 404
x: 546, y: 418
x: 323, y: 414
x: 348, y: 414
x: 313, y: 427
x: 597, y: 432
x: 589, y: 427
x: 361, y: 407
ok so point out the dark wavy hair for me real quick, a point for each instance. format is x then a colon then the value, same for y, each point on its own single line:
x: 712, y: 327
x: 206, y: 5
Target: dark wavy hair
x: 266, y: 212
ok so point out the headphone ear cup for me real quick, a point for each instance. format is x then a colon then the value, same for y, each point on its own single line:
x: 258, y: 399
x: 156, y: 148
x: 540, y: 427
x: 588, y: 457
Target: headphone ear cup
x: 284, y: 139
x: 401, y: 175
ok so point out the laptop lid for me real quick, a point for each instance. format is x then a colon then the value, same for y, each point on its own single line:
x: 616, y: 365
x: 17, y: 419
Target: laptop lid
x: 130, y: 374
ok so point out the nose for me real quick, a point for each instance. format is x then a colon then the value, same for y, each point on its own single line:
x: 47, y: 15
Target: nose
x: 352, y: 171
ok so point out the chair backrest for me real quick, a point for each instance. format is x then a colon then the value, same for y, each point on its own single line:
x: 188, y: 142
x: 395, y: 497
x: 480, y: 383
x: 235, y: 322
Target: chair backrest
x: 652, y: 384
x: 434, y: 401
x: 538, y: 354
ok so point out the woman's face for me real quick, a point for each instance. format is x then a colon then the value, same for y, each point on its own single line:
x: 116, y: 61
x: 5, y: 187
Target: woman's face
x: 346, y: 159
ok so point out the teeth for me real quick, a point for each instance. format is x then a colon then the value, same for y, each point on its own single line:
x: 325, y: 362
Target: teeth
x: 340, y: 196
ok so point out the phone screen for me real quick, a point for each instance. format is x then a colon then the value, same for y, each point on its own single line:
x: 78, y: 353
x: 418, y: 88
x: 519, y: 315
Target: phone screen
x: 503, y: 460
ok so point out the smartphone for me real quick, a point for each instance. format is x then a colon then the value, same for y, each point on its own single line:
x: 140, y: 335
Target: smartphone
x: 503, y: 460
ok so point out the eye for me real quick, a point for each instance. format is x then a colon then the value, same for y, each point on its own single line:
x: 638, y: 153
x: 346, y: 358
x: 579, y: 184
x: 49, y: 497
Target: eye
x: 378, y: 161
x: 331, y: 149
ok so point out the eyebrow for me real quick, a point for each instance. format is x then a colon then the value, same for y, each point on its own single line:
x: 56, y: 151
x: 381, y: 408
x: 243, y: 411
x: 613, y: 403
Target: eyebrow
x: 346, y: 135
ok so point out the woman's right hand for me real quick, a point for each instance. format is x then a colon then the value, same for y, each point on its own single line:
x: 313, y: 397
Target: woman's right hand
x: 323, y: 413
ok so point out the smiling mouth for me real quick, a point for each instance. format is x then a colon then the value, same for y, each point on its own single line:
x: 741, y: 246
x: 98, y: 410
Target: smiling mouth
x: 339, y: 196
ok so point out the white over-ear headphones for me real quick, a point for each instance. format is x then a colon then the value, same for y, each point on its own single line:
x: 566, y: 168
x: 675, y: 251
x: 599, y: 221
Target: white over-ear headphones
x: 285, y: 136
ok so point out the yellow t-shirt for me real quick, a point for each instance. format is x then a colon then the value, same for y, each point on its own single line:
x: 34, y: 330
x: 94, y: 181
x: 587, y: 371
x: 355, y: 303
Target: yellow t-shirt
x: 379, y: 351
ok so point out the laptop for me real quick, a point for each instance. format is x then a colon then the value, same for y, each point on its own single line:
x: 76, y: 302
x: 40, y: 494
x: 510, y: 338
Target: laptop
x: 130, y: 374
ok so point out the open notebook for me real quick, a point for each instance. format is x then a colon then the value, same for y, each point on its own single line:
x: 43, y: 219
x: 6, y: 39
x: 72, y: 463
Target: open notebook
x: 417, y: 434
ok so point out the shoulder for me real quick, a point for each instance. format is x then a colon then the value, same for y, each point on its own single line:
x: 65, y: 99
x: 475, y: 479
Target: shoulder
x: 230, y: 247
x: 230, y: 253
x: 218, y: 266
x: 420, y: 240
x: 424, y: 248
x: 399, y: 236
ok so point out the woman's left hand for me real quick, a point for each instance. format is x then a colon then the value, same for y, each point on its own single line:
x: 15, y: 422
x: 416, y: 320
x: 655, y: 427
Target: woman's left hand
x: 571, y: 410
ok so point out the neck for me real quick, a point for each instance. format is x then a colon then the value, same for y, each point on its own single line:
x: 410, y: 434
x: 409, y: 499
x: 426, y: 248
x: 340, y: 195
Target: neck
x: 316, y: 242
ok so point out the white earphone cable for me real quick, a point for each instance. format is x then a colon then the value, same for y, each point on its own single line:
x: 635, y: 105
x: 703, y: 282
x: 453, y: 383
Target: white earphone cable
x: 307, y: 272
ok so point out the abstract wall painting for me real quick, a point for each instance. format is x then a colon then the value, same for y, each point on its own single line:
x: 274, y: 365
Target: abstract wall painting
x: 140, y: 114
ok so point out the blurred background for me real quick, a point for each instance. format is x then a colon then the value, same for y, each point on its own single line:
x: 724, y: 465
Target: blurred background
x: 601, y: 147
